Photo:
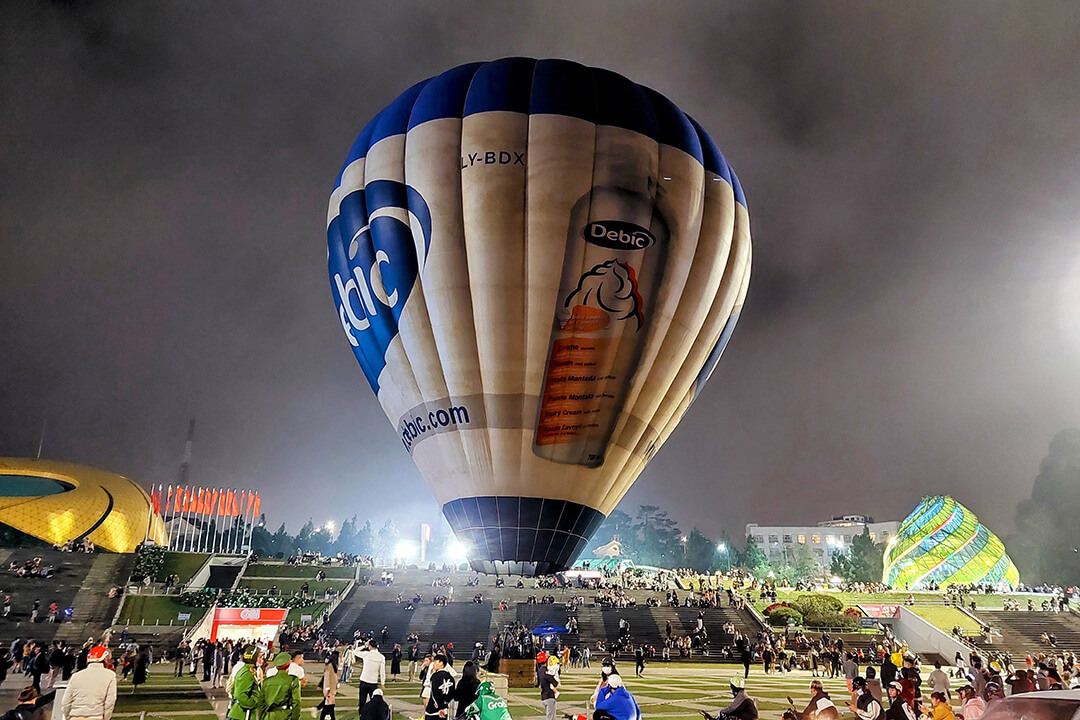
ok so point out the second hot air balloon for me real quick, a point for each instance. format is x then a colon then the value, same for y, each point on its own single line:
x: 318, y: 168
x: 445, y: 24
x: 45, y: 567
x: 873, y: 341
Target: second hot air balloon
x: 537, y: 265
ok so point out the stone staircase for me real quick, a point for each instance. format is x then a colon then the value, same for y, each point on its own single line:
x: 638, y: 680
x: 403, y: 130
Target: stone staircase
x: 93, y: 609
x: 1021, y: 631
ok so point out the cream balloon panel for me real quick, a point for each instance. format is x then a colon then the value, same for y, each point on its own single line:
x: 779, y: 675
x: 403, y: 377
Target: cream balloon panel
x: 567, y: 282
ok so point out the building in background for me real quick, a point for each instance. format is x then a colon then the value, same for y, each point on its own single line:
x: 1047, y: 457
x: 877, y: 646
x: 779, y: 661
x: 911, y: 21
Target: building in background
x: 60, y: 502
x: 942, y: 543
x: 824, y: 540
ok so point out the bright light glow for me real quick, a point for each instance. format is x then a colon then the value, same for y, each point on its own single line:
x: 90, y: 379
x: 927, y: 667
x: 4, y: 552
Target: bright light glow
x: 682, y: 539
x: 721, y: 547
x: 837, y: 579
x: 457, y: 551
x: 405, y: 550
x: 329, y: 526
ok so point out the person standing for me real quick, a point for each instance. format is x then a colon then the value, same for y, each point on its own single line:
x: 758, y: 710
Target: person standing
x: 549, y: 687
x: 442, y: 689
x: 414, y: 659
x: 468, y: 688
x: 245, y: 693
x: 395, y: 662
x: 181, y: 654
x: 939, y: 680
x: 373, y: 674
x: 281, y: 692
x: 91, y: 693
x: 851, y: 671
x: 142, y: 667
x: 207, y: 660
x: 639, y: 660
x: 329, y: 688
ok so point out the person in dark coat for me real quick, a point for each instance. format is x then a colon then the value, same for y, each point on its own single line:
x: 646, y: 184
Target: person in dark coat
x: 208, y: 649
x: 375, y: 708
x: 494, y: 658
x: 888, y: 671
x: 395, y: 662
x: 142, y: 667
x: 468, y: 688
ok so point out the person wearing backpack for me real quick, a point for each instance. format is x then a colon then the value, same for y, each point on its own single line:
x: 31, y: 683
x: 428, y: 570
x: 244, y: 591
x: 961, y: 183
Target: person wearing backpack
x: 244, y: 691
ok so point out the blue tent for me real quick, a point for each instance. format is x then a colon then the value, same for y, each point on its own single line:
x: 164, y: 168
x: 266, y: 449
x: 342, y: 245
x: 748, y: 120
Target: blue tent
x: 548, y: 629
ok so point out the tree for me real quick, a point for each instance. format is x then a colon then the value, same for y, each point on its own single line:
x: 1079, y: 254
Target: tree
x: 700, y: 551
x: 1046, y: 546
x: 753, y: 558
x: 303, y: 538
x: 365, y: 540
x: 387, y: 539
x: 863, y: 561
x: 347, y: 537
x: 659, y: 535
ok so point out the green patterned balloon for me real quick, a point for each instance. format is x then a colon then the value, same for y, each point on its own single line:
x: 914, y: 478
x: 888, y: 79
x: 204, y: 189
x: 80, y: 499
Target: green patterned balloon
x: 943, y: 542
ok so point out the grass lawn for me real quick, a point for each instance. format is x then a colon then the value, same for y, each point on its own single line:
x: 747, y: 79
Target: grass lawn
x: 946, y: 618
x: 315, y: 611
x: 281, y: 570
x: 156, y: 609
x: 290, y: 587
x: 181, y: 698
x: 183, y: 564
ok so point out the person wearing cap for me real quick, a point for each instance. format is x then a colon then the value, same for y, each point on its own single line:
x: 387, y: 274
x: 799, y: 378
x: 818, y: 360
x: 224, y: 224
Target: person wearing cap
x: 614, y: 701
x: 972, y: 706
x: 742, y: 706
x: 91, y: 693
x: 899, y: 709
x: 549, y: 687
x: 375, y: 708
x: 865, y: 706
x: 245, y: 692
x: 281, y: 693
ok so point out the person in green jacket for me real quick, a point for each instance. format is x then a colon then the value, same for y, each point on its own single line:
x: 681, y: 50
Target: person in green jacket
x: 245, y: 691
x: 281, y: 692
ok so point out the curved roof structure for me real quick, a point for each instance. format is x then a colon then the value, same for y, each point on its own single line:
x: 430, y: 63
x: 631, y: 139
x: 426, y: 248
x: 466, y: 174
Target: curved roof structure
x: 57, y: 502
x: 943, y: 542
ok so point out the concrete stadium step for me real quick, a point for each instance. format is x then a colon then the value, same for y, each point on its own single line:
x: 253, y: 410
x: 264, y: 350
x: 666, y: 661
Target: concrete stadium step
x: 1021, y: 631
x: 69, y: 572
x: 462, y: 624
x: 93, y: 608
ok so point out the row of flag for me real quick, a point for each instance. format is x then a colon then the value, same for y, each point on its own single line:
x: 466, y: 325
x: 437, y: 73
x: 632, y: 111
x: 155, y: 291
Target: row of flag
x: 205, y: 501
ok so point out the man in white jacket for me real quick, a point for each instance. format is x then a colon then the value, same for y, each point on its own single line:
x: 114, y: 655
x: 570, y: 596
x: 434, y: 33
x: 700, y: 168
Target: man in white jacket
x: 373, y: 673
x: 91, y: 693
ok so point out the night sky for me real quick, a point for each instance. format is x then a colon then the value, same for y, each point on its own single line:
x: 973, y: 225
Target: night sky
x: 913, y: 177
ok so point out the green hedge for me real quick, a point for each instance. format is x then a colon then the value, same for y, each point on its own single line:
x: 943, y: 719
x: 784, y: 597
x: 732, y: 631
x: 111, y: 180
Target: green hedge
x: 781, y: 615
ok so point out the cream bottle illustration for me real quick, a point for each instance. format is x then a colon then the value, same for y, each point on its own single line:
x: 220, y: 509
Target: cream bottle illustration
x: 616, y: 248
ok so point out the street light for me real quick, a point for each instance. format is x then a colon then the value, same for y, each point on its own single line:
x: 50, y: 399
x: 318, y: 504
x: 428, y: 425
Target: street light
x: 683, y: 541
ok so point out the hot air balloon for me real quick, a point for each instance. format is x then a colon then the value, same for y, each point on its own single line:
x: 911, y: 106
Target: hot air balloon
x: 537, y: 265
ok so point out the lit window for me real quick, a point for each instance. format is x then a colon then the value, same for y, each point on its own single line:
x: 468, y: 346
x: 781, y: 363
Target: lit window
x: 802, y: 539
x: 816, y: 539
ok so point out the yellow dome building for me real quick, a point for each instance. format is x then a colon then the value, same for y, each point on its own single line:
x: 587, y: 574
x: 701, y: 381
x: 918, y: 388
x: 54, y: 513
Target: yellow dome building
x: 57, y: 502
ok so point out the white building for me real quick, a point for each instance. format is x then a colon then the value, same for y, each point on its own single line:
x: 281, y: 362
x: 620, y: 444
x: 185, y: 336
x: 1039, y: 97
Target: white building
x: 825, y: 539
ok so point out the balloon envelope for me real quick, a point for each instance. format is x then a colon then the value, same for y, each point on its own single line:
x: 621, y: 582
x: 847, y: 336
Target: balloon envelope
x: 537, y: 265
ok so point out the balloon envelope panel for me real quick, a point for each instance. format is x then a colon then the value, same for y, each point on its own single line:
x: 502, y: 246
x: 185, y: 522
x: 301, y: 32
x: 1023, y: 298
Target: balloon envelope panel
x: 942, y: 542
x: 537, y: 265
